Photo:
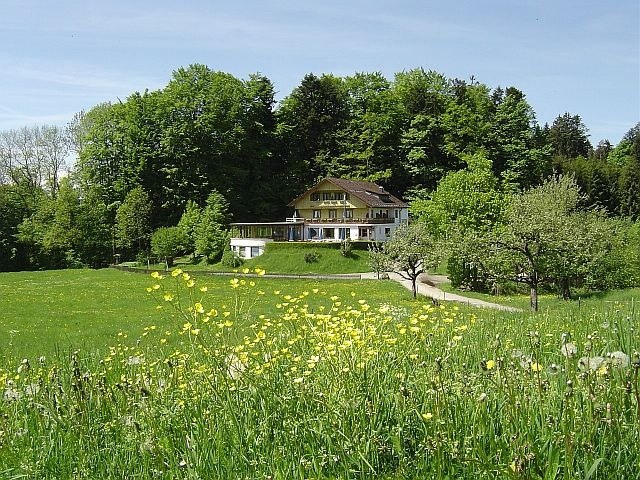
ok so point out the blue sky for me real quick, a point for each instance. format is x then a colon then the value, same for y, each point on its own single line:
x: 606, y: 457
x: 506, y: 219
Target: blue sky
x: 577, y: 56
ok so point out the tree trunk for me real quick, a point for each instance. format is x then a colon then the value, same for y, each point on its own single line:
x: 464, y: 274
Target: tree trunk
x: 169, y: 261
x: 414, y: 287
x: 566, y: 291
x: 534, y: 297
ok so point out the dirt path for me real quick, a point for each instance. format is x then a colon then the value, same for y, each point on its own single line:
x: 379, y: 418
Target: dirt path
x: 427, y: 286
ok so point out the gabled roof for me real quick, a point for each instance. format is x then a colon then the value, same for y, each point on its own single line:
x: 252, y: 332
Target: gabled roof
x: 372, y: 194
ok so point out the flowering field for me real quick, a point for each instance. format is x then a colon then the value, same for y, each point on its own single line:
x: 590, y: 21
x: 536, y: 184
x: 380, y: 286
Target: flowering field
x: 325, y: 385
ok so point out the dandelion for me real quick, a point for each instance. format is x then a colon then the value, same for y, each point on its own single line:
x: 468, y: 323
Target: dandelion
x: 619, y: 359
x: 235, y: 366
x: 590, y: 363
x: 135, y: 360
x: 569, y: 350
x: 176, y: 272
x: 168, y: 297
x: 491, y: 364
x: 157, y: 276
x: 427, y: 416
x: 204, y: 289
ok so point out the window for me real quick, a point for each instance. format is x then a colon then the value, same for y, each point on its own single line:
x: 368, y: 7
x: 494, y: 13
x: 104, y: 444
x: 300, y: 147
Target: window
x: 327, y: 196
x: 345, y: 196
x: 396, y: 212
x: 328, y: 233
x: 344, y: 233
x: 387, y: 232
x: 255, y: 251
x: 316, y: 214
x: 363, y: 232
x: 348, y: 213
x: 333, y: 213
x: 315, y: 197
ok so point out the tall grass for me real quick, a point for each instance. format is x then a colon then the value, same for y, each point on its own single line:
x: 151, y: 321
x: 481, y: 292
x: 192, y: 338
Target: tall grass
x: 333, y: 386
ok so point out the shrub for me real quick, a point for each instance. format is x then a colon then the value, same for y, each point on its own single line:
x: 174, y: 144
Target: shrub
x: 346, y: 247
x: 230, y: 259
x: 311, y: 257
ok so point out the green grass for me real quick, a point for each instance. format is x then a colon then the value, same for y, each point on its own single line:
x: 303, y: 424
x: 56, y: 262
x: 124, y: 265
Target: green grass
x: 86, y: 309
x: 289, y: 258
x: 296, y: 379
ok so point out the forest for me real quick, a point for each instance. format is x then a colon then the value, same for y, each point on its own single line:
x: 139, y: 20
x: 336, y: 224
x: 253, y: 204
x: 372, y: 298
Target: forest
x: 140, y: 163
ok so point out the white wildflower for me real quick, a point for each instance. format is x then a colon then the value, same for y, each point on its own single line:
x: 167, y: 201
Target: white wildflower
x: 569, y: 350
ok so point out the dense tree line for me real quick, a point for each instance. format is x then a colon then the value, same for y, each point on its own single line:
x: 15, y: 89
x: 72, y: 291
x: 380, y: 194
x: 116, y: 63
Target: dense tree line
x: 145, y: 161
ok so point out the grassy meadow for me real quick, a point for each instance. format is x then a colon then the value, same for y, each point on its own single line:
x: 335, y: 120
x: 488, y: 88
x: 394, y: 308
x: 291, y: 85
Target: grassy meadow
x: 260, y: 378
x: 289, y: 258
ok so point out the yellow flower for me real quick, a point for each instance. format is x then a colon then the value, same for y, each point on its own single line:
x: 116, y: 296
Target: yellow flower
x: 190, y: 283
x: 536, y: 367
x: 176, y: 272
x: 186, y: 276
x: 427, y: 416
x: 245, y: 270
x: 203, y: 289
x: 235, y: 283
x: 157, y: 276
x: 490, y: 364
x: 167, y: 297
x: 198, y: 308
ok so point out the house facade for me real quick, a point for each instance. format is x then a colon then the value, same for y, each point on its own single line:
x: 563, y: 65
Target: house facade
x: 331, y: 211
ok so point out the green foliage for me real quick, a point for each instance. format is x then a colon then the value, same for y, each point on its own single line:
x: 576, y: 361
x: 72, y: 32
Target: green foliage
x: 544, y: 240
x: 346, y: 246
x: 189, y: 222
x: 569, y: 136
x: 379, y: 262
x: 66, y: 231
x: 469, y: 199
x: 168, y: 242
x: 411, y: 251
x: 311, y: 257
x: 211, y: 235
x: 133, y: 220
x: 230, y: 259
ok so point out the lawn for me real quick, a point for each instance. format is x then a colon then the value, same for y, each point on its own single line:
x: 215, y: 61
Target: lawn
x: 254, y: 377
x: 289, y: 258
x: 86, y: 309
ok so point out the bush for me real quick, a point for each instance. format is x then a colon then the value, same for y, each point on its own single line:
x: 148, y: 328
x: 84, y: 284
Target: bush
x: 230, y: 259
x: 311, y: 257
x: 346, y: 247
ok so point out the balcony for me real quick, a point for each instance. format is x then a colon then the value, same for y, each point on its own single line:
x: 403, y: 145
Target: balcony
x: 367, y: 221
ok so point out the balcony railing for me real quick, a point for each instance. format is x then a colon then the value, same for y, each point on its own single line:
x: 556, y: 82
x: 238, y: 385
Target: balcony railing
x: 350, y: 220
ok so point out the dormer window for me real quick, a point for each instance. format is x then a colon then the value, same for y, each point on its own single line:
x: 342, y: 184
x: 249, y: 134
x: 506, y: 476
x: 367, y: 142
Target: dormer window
x: 315, y: 197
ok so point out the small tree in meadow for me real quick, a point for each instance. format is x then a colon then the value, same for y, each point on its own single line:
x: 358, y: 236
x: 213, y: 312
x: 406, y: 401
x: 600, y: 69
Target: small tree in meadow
x: 411, y: 251
x: 167, y: 242
x: 378, y: 260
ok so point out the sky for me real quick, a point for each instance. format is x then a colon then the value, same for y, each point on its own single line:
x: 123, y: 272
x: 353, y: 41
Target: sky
x: 578, y: 56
